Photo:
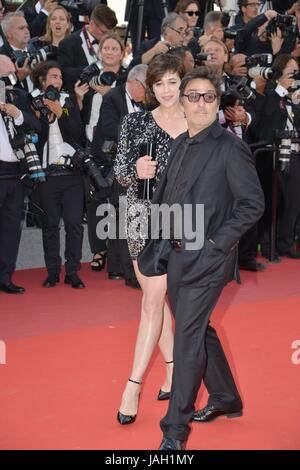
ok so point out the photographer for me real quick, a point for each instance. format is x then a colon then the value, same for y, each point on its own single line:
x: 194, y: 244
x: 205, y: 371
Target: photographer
x: 96, y: 80
x: 264, y: 33
x: 17, y: 34
x: 280, y: 114
x: 80, y: 48
x: 16, y: 118
x: 63, y: 192
x: 58, y: 27
x: 173, y: 33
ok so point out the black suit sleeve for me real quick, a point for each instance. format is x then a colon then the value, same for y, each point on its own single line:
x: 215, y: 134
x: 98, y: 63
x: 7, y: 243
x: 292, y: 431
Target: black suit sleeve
x: 36, y: 23
x: 247, y: 193
x: 67, y: 52
x: 108, y: 123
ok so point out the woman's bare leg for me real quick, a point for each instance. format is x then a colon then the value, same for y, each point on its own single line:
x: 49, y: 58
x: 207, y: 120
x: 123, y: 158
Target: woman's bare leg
x: 149, y: 333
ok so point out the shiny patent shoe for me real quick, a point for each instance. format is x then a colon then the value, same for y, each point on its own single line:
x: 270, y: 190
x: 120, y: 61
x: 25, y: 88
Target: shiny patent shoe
x: 127, y: 419
x: 164, y: 395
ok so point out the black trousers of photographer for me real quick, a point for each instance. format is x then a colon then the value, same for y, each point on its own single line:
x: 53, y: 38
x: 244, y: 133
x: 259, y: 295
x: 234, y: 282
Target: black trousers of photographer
x: 289, y: 207
x: 11, y: 206
x: 62, y: 195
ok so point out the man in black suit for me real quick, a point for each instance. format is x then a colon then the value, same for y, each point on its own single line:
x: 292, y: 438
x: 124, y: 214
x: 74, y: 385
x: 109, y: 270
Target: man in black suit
x: 81, y: 48
x: 116, y: 104
x: 15, y: 117
x: 63, y: 192
x: 173, y: 31
x: 17, y: 34
x: 210, y: 167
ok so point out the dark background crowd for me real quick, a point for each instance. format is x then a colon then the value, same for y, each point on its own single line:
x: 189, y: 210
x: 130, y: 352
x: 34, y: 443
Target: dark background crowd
x: 67, y: 79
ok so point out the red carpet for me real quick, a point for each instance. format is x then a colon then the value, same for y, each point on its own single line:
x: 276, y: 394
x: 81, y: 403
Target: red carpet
x: 68, y: 355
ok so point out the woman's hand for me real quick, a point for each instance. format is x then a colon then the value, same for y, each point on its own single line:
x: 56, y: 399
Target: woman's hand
x: 146, y: 167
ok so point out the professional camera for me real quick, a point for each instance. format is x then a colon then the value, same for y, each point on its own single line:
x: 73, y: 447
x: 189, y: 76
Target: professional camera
x: 237, y: 90
x: 259, y: 65
x: 24, y: 147
x: 93, y: 75
x: 19, y: 57
x: 9, y: 80
x: 286, y: 23
x: 86, y: 163
x: 258, y: 60
x: 287, y: 144
x: 37, y: 96
x: 202, y: 57
x: 197, y: 30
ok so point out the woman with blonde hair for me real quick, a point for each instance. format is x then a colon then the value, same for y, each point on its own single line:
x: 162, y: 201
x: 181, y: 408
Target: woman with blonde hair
x: 58, y: 27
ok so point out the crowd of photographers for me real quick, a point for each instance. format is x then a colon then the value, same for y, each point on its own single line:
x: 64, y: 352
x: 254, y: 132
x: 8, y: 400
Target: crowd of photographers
x: 66, y: 82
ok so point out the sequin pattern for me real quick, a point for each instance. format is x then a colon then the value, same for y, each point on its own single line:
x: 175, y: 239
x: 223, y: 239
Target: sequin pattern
x: 138, y: 128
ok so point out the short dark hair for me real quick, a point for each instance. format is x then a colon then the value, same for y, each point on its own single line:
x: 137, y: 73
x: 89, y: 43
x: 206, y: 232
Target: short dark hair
x: 40, y: 72
x: 105, y: 15
x: 242, y: 3
x: 158, y: 66
x: 205, y: 73
x: 281, y: 61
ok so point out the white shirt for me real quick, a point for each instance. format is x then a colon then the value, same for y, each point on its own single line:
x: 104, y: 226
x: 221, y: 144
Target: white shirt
x: 38, y: 8
x: 84, y: 46
x: 95, y: 112
x: 57, y: 147
x: 6, y: 152
x: 132, y: 108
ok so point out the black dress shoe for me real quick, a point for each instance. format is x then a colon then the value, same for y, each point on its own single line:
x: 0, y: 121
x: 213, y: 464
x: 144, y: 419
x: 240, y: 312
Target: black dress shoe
x: 115, y: 276
x: 125, y: 419
x: 252, y: 266
x: 168, y: 443
x: 163, y: 395
x: 51, y: 280
x: 74, y: 280
x: 132, y: 283
x: 10, y: 288
x: 211, y: 412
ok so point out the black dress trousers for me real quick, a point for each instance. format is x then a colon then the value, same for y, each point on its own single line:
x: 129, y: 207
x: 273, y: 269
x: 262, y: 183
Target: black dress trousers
x: 62, y: 196
x: 198, y: 354
x: 11, y: 206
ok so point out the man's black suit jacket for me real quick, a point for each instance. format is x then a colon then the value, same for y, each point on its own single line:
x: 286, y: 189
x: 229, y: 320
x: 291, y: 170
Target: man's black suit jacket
x: 70, y: 125
x: 36, y: 22
x: 225, y: 181
x: 71, y: 57
x: 113, y: 109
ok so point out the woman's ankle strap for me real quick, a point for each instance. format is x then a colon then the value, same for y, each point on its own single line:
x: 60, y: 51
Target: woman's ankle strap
x: 134, y: 381
x: 169, y: 362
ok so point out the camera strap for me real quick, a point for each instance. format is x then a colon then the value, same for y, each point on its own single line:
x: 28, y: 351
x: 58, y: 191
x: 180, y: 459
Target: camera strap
x: 9, y: 125
x: 89, y: 44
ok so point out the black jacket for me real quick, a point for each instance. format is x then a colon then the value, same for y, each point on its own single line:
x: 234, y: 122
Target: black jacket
x: 70, y: 125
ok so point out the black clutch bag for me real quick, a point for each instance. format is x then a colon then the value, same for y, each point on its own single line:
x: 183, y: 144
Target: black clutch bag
x: 153, y: 259
x: 145, y: 187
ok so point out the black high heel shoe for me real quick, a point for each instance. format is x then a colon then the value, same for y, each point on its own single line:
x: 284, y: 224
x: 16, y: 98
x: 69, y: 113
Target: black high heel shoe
x: 164, y: 395
x: 99, y: 261
x: 127, y: 419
